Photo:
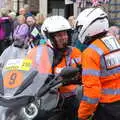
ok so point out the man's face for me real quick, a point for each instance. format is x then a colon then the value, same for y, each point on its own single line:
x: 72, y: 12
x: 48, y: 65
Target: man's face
x: 30, y: 21
x: 22, y: 11
x: 61, y: 39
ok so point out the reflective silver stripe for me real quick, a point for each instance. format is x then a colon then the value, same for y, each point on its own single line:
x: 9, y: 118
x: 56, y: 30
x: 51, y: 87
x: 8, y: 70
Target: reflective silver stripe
x: 98, y: 50
x: 38, y: 54
x: 77, y: 59
x: 102, y: 63
x: 110, y: 72
x: 91, y: 72
x: 50, y: 54
x: 68, y: 60
x: 90, y: 100
x: 111, y: 91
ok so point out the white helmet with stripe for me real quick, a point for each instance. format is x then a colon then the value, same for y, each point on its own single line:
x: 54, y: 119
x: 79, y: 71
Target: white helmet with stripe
x: 91, y: 21
x: 55, y: 24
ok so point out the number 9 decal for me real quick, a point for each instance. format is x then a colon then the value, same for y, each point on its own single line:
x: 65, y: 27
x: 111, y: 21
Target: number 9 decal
x: 13, y: 79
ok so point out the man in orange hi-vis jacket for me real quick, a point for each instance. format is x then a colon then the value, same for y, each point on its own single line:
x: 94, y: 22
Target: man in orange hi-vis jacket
x: 100, y: 67
x: 56, y: 29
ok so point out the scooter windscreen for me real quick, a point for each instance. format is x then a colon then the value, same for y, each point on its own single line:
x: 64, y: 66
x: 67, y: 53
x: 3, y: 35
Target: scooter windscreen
x: 20, y: 80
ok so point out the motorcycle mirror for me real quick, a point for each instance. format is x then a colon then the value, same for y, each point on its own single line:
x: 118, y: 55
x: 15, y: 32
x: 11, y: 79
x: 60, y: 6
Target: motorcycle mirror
x: 66, y: 73
x: 69, y: 72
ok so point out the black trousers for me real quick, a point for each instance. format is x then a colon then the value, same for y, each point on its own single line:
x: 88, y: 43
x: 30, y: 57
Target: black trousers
x: 70, y: 108
x: 109, y: 111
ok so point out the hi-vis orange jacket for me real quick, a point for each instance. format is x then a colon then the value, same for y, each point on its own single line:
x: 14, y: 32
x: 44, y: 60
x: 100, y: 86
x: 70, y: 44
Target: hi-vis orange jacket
x: 100, y: 75
x: 41, y: 59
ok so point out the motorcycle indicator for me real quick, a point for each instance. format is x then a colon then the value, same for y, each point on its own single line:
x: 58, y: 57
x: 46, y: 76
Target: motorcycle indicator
x: 13, y: 79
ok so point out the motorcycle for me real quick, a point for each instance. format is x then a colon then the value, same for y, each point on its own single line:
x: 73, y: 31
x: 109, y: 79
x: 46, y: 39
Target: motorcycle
x: 26, y: 93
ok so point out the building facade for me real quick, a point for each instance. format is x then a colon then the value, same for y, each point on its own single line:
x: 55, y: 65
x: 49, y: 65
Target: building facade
x: 61, y: 7
x: 114, y: 12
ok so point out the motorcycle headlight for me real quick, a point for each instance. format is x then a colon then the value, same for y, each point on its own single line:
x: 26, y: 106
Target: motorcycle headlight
x: 29, y: 112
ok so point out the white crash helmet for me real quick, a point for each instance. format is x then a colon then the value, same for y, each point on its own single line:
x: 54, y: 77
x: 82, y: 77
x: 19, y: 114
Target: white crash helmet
x: 54, y: 24
x: 91, y: 21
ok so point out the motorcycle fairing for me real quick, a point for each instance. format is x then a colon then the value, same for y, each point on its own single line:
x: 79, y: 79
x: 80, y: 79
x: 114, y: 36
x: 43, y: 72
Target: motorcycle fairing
x: 30, y: 85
